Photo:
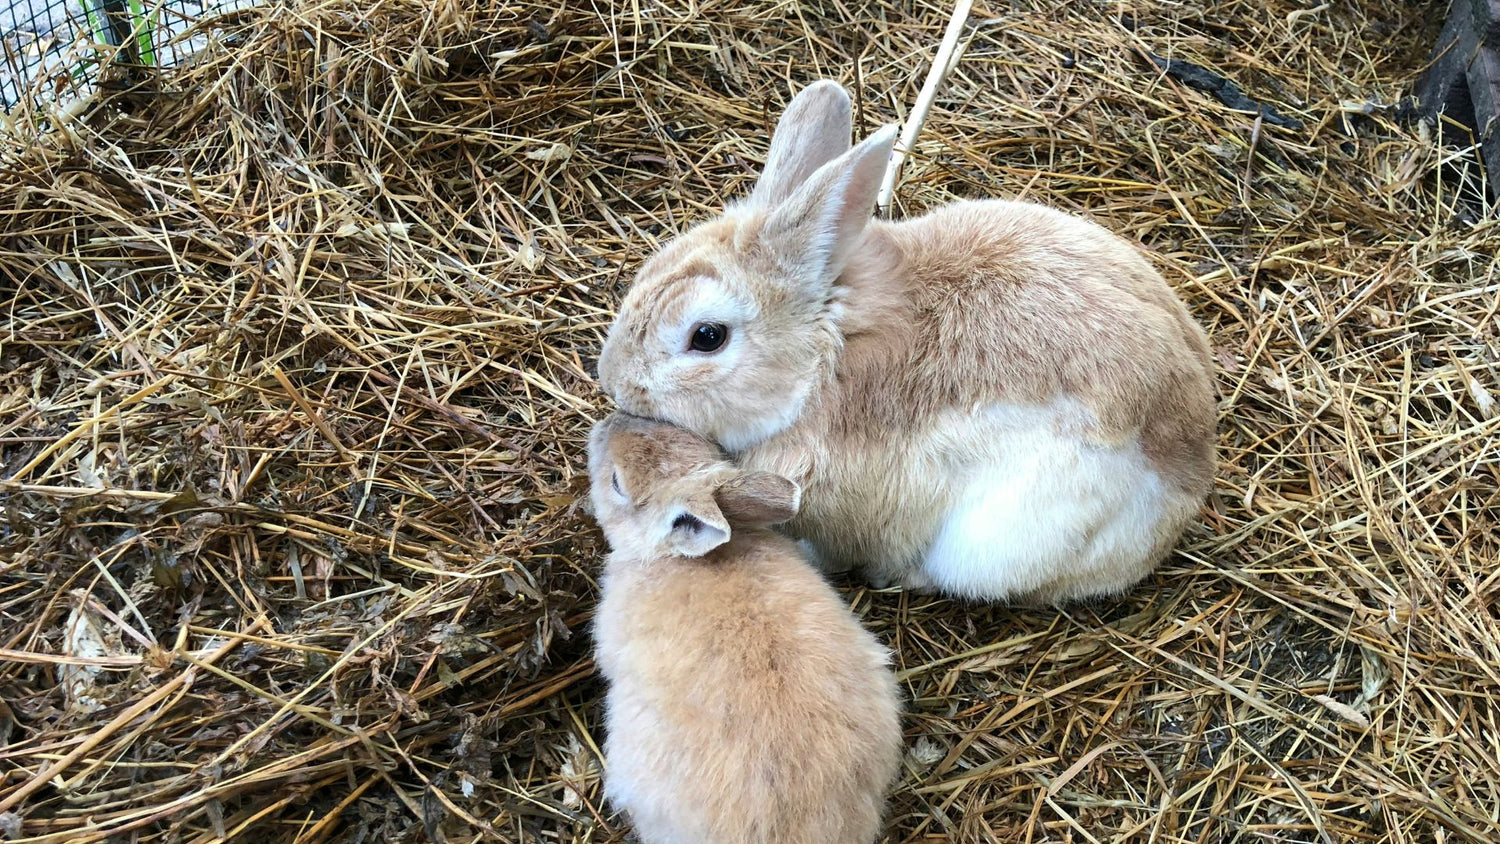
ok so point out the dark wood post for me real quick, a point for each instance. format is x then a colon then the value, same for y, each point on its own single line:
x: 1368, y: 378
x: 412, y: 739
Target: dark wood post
x: 1463, y: 81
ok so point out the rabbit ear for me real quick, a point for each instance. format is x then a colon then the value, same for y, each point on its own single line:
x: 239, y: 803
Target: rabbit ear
x: 697, y: 527
x: 759, y: 499
x: 813, y: 232
x: 813, y: 131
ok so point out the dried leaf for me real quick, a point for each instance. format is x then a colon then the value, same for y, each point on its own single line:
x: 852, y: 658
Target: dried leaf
x: 529, y: 256
x: 1344, y: 710
x: 83, y: 637
x: 551, y: 153
x: 1373, y: 674
x: 1482, y: 398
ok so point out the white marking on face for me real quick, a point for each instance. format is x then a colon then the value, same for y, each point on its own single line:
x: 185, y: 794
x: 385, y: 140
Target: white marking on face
x: 709, y: 302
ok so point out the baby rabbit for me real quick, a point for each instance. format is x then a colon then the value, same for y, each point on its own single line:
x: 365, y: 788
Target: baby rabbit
x: 746, y: 705
x: 996, y: 400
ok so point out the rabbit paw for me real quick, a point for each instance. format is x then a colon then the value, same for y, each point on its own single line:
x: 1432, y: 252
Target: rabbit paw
x: 914, y: 580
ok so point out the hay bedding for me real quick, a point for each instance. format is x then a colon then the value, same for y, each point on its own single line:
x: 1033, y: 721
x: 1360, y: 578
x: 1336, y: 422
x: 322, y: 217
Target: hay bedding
x: 296, y: 375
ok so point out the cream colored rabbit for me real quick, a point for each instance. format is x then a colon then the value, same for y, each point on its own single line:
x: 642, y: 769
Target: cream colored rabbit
x: 996, y: 399
x: 746, y: 704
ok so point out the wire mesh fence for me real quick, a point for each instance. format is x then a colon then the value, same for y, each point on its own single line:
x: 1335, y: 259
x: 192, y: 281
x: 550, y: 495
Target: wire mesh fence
x: 55, y: 49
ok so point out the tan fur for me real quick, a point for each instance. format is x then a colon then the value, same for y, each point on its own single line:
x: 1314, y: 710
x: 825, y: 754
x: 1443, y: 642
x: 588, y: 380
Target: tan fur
x: 746, y: 705
x: 875, y: 369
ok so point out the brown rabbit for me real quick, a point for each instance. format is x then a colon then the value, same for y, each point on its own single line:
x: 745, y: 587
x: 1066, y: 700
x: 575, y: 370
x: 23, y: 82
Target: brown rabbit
x: 996, y: 399
x: 746, y: 704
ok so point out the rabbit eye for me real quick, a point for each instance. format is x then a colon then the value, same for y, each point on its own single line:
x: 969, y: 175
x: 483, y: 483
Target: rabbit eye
x: 614, y: 481
x: 708, y: 337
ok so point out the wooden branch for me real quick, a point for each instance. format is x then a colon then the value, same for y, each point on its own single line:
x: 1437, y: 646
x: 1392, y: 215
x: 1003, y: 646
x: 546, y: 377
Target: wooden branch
x: 942, y: 64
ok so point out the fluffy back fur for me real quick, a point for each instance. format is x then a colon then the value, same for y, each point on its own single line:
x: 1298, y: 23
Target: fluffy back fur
x: 746, y: 705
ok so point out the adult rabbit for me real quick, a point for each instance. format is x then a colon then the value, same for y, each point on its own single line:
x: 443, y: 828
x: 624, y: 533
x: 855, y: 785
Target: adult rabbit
x: 996, y: 399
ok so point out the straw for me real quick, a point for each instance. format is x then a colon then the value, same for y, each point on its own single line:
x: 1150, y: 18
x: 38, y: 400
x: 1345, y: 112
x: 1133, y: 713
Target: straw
x: 296, y: 368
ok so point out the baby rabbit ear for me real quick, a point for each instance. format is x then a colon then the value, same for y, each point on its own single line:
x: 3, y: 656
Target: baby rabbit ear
x: 813, y: 131
x: 759, y: 498
x: 697, y: 527
x: 813, y: 232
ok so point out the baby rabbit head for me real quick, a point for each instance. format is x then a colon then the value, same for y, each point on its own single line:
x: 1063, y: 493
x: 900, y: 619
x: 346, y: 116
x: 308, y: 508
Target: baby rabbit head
x: 728, y: 329
x: 660, y: 490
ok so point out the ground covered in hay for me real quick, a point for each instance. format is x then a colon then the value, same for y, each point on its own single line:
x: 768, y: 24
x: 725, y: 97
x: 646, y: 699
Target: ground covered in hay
x: 295, y: 372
